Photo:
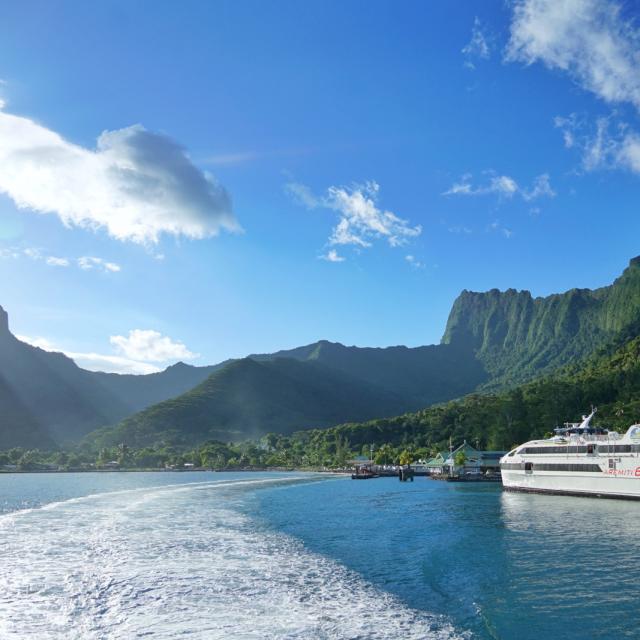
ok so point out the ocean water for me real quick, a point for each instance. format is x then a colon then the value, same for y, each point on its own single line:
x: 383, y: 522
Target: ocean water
x: 297, y: 556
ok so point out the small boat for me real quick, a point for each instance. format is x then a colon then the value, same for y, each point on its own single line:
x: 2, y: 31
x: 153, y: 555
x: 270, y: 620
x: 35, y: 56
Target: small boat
x: 363, y: 473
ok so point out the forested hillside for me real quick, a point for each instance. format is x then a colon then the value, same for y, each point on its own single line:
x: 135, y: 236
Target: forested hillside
x: 517, y: 337
x: 247, y: 399
x: 493, y: 342
x: 46, y: 398
x: 609, y: 380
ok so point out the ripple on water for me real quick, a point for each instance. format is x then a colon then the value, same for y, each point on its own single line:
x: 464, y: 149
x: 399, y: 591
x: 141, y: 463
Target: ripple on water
x: 182, y: 561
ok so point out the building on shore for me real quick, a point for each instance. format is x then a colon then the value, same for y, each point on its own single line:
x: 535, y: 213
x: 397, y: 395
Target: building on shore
x: 465, y: 460
x: 435, y: 466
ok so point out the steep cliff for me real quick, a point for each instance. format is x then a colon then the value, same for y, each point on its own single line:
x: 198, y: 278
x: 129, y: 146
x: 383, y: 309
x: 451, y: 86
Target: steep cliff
x: 517, y: 337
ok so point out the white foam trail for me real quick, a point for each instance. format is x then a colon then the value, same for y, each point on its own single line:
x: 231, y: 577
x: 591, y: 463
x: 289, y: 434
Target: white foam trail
x: 156, y: 491
x: 182, y: 561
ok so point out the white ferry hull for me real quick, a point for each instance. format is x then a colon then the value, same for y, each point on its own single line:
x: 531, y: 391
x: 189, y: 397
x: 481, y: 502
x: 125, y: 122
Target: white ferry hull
x: 579, y: 460
x: 601, y: 484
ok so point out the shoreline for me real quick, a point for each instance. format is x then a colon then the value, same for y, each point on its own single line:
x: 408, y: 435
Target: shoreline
x: 196, y: 469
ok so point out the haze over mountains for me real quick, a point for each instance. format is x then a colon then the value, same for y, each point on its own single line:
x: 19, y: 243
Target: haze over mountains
x: 46, y: 399
x: 493, y: 340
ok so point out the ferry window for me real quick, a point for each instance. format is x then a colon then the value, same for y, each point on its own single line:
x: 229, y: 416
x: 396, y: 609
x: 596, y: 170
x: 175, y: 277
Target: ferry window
x: 528, y: 466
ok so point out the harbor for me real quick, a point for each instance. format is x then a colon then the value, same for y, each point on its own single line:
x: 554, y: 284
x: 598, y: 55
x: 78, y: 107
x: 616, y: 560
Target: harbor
x: 462, y: 464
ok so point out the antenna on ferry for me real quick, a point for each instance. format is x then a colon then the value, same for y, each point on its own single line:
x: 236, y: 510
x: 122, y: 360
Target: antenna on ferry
x: 587, y: 419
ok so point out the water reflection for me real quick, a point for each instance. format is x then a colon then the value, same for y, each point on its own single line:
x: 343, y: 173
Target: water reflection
x: 571, y: 565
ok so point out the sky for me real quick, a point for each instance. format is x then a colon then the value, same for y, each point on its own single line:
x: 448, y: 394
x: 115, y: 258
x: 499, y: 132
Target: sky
x: 204, y: 180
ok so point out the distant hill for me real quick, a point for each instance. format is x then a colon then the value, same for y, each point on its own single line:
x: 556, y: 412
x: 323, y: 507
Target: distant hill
x: 45, y: 398
x: 248, y: 398
x: 420, y: 375
x: 140, y: 391
x: 608, y: 379
x: 493, y: 340
x: 18, y: 426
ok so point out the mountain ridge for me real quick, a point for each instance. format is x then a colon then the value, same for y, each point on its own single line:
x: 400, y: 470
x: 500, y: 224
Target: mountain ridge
x: 249, y: 397
x: 493, y: 340
x: 517, y: 336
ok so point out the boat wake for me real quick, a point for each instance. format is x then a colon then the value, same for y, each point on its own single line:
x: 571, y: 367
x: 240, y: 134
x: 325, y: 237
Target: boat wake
x: 183, y: 561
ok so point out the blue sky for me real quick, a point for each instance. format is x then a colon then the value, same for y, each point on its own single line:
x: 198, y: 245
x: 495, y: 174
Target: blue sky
x: 213, y: 179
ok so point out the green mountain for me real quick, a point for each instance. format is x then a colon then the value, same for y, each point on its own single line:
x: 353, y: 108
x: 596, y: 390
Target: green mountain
x: 517, y: 337
x: 55, y: 393
x: 45, y: 398
x: 493, y: 341
x: 609, y: 380
x: 420, y: 375
x: 141, y: 391
x: 248, y: 398
x: 18, y: 426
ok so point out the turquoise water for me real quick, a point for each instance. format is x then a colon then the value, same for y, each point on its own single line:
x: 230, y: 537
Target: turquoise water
x: 224, y: 555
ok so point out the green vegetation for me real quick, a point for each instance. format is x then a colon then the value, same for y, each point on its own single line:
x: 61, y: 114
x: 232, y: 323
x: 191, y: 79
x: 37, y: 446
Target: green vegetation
x: 610, y: 380
x: 495, y: 348
x: 47, y: 400
x: 248, y: 398
x: 510, y: 336
x: 498, y: 421
x: 460, y: 459
x: 518, y: 337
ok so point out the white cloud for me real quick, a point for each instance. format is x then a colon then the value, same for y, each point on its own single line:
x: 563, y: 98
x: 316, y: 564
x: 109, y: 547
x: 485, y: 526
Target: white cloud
x: 629, y: 152
x: 38, y: 341
x: 478, y: 46
x: 600, y: 148
x: 235, y: 158
x: 567, y: 126
x: 137, y: 352
x: 33, y: 253
x: 606, y: 144
x: 91, y: 262
x: 414, y: 262
x: 497, y: 227
x: 588, y: 39
x: 95, y: 361
x: 302, y: 195
x: 332, y: 256
x: 459, y: 229
x: 503, y: 186
x: 541, y: 188
x: 85, y: 262
x: 135, y: 184
x: 151, y: 346
x: 599, y: 49
x: 111, y: 364
x: 54, y: 261
x: 498, y: 185
x: 360, y: 220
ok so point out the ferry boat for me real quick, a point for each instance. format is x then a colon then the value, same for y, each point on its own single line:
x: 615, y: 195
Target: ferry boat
x: 578, y: 460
